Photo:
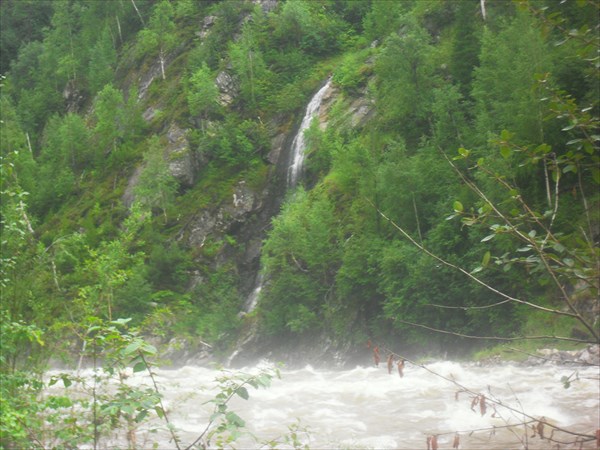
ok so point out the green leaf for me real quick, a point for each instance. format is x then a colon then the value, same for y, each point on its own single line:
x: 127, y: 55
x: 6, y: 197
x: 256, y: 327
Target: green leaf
x: 140, y: 367
x: 66, y: 381
x: 486, y: 259
x: 142, y: 414
x: 488, y: 237
x: 148, y: 349
x: 234, y: 419
x: 133, y: 347
x: 159, y: 412
x: 505, y: 152
x: 242, y: 392
x: 121, y: 321
x: 458, y: 206
x: 569, y: 262
x: 464, y: 152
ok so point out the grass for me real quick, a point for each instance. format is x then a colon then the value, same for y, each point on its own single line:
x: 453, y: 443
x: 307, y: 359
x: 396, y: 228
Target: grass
x: 537, y: 323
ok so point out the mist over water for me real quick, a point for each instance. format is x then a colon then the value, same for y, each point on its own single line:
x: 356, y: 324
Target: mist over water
x: 366, y: 407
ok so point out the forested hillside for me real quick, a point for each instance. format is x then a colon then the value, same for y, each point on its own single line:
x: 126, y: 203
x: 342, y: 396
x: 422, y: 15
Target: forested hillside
x: 450, y: 186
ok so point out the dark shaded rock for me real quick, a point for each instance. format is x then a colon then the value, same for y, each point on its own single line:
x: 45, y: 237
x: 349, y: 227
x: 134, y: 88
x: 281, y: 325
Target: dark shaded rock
x: 277, y: 144
x: 72, y: 96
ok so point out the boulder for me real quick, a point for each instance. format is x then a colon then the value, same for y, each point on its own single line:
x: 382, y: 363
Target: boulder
x: 227, y: 87
x: 244, y: 202
x: 182, y: 161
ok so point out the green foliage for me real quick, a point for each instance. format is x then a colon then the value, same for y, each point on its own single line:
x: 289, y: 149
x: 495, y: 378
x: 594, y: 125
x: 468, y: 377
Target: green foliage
x: 202, y: 93
x: 298, y: 260
x: 238, y: 143
x: 504, y: 81
x: 159, y: 35
x: 216, y: 302
x: 156, y: 187
x: 103, y: 58
x: 406, y: 79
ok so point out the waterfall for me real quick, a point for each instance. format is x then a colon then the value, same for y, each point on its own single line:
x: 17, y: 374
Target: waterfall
x: 298, y: 144
x: 293, y: 174
x: 252, y: 299
x: 294, y: 171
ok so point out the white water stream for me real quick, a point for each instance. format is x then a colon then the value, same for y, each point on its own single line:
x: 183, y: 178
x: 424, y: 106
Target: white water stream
x: 298, y: 144
x: 294, y: 172
x: 367, y: 408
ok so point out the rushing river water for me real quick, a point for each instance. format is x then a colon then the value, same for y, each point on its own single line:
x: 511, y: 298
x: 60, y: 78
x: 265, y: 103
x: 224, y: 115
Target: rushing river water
x: 366, y: 407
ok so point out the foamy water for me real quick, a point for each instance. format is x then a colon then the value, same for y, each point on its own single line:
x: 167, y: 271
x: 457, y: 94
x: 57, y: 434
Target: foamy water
x: 366, y: 407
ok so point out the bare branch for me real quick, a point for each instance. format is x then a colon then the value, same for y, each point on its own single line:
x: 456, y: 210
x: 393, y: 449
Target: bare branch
x: 466, y: 308
x: 585, y: 437
x: 495, y: 338
x: 473, y: 277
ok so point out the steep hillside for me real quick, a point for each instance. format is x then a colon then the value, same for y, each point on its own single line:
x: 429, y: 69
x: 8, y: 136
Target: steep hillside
x: 146, y: 148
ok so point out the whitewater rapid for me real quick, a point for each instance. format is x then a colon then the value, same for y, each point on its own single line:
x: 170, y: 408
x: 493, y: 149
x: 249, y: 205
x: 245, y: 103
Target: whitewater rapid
x: 367, y: 408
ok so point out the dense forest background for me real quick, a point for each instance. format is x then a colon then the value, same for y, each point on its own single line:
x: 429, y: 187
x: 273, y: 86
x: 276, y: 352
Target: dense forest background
x: 127, y: 125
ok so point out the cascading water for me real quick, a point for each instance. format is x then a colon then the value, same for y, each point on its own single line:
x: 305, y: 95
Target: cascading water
x: 298, y: 144
x: 294, y: 172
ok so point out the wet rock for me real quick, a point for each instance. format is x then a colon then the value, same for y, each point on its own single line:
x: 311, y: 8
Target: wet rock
x: 72, y: 96
x: 244, y: 202
x: 227, y: 87
x: 129, y: 195
x: 277, y: 145
x: 266, y: 5
x: 361, y: 110
x: 207, y: 24
x: 182, y: 161
x: 150, y: 113
x: 589, y: 356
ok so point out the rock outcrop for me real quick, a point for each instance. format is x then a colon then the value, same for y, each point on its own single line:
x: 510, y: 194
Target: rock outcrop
x: 183, y: 162
x: 228, y: 88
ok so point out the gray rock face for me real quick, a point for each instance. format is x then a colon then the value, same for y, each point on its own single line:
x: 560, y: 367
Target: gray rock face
x: 589, y: 356
x: 72, y: 96
x: 227, y: 87
x: 128, y: 195
x: 277, y: 144
x: 182, y: 161
x: 266, y: 5
x: 207, y: 24
x: 244, y: 202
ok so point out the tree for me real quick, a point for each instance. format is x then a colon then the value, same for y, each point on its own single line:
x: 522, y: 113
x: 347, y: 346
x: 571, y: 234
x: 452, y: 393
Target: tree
x: 249, y: 65
x: 405, y: 79
x: 503, y: 86
x: 156, y: 186
x: 159, y: 35
x: 103, y: 58
x: 202, y: 93
x: 108, y: 109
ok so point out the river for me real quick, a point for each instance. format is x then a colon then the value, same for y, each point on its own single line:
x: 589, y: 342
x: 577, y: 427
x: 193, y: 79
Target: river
x: 367, y: 408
